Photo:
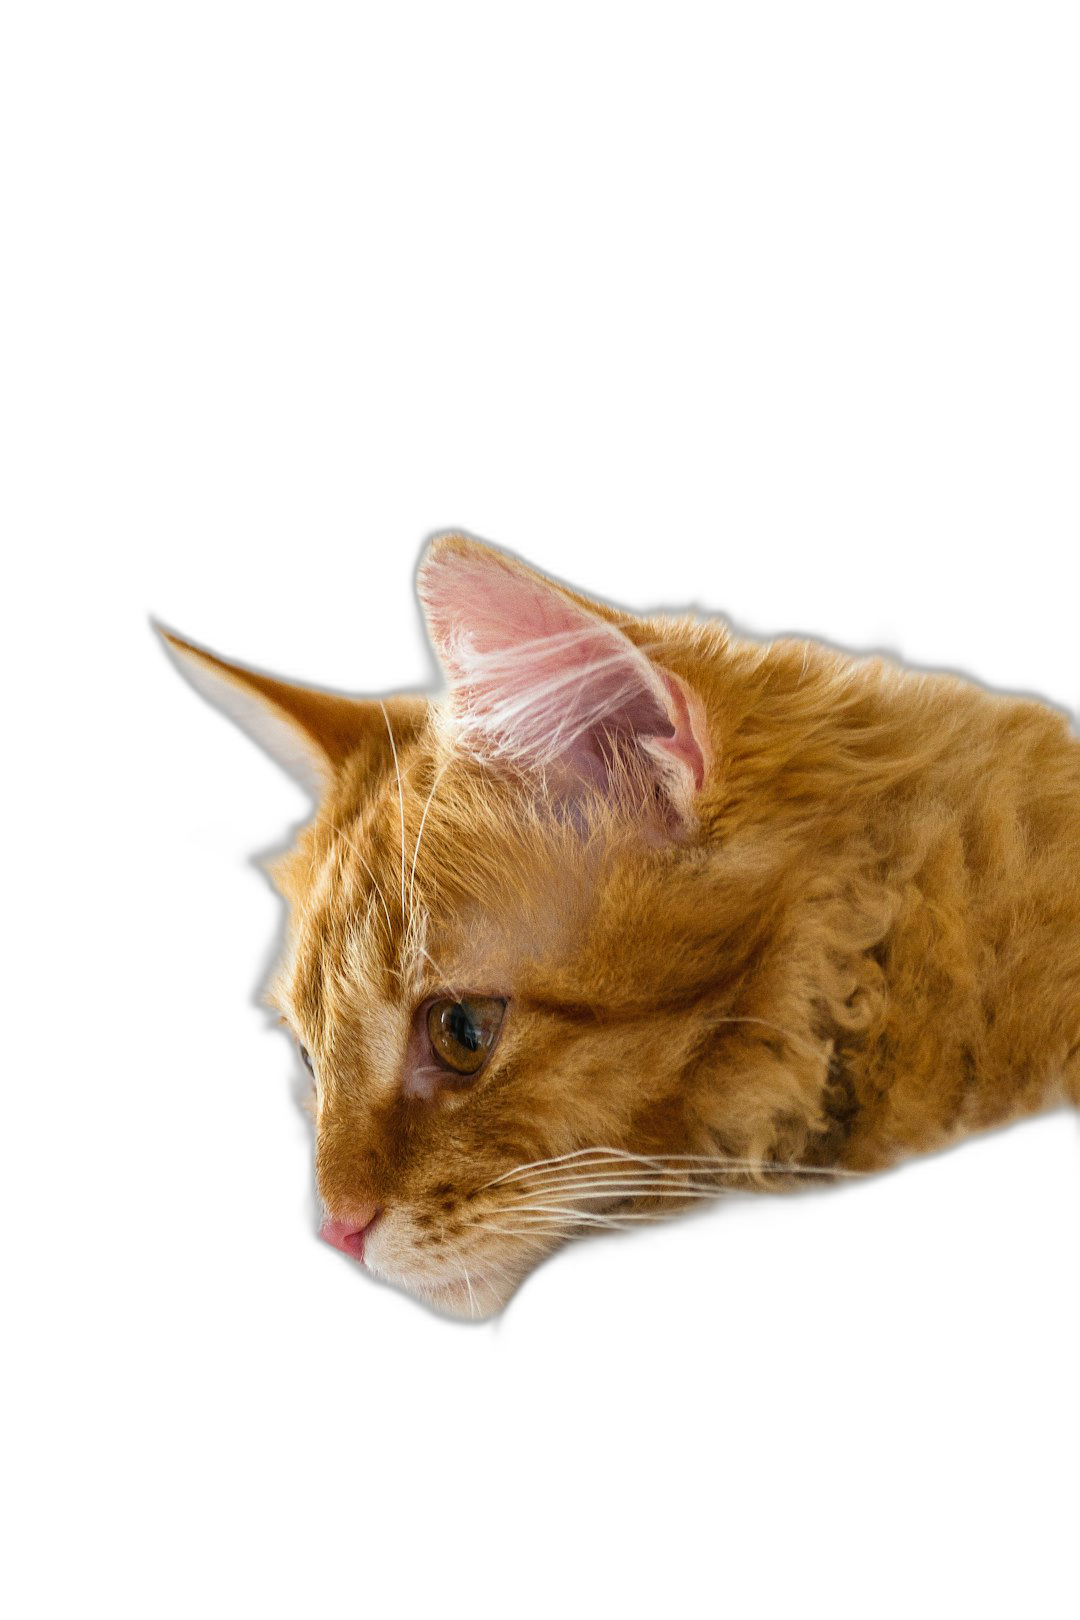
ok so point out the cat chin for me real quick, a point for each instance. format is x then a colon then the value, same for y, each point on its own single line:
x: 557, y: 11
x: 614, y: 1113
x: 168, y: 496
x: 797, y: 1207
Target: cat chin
x: 475, y: 1300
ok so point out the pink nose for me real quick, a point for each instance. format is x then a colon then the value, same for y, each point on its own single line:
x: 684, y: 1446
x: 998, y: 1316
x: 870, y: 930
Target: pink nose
x: 348, y: 1236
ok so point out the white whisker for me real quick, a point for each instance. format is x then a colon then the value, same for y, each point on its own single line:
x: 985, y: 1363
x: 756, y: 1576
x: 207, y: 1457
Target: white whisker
x: 422, y: 950
x: 594, y: 1157
x: 552, y: 1216
x: 508, y: 1231
x: 420, y: 833
x: 623, y: 1189
x: 401, y: 799
x: 703, y: 1177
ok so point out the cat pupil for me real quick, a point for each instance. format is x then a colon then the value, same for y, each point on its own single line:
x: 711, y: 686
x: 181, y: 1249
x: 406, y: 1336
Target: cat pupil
x: 462, y: 1028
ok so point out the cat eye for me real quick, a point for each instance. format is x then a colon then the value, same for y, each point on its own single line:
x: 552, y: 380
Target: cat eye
x: 463, y: 1033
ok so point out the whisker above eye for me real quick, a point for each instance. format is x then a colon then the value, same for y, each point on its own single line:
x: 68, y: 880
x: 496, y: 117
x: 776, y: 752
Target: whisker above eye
x: 401, y: 802
x: 444, y: 978
x: 420, y: 833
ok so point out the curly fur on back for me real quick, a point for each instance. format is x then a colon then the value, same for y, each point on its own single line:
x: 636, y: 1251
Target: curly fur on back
x: 757, y: 912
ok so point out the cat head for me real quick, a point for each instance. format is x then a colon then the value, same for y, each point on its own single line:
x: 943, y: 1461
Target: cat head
x: 497, y: 941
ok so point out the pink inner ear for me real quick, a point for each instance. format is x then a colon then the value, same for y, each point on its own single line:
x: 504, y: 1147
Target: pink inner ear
x: 687, y: 744
x: 538, y: 679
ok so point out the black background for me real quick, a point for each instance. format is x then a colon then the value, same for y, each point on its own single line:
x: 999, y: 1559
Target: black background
x: 883, y: 491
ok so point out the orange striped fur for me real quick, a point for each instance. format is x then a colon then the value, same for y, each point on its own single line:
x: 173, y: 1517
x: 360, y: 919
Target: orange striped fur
x: 853, y: 936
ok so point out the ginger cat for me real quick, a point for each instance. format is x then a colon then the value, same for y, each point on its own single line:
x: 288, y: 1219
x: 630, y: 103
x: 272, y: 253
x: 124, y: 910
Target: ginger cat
x: 642, y: 912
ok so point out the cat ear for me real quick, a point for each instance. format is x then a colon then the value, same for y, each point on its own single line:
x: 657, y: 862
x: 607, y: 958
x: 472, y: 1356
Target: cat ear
x: 307, y: 731
x: 543, y: 678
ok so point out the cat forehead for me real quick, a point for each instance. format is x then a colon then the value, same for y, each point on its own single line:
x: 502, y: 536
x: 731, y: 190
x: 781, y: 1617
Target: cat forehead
x: 450, y: 882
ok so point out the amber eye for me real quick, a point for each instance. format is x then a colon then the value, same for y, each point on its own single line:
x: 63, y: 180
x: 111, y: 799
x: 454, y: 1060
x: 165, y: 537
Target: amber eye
x: 462, y: 1033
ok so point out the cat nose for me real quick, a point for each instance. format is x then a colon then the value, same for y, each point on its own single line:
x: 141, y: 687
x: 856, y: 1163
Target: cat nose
x: 348, y: 1236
